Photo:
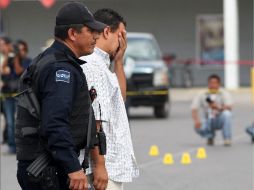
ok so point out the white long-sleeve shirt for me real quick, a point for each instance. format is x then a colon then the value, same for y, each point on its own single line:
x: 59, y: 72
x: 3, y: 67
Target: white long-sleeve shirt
x: 120, y: 160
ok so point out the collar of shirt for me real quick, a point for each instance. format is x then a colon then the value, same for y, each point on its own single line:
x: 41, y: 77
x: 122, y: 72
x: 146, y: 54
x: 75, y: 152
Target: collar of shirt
x: 103, y: 55
x: 67, y: 51
x: 211, y: 91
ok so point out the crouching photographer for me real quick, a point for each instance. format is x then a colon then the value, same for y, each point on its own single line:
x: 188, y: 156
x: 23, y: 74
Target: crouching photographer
x: 216, y: 106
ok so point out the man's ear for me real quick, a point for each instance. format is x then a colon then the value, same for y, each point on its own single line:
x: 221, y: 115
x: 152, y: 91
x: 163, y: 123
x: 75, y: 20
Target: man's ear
x: 72, y: 34
x: 106, y: 32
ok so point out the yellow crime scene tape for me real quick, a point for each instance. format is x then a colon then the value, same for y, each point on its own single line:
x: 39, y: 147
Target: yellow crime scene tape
x: 7, y: 95
x: 252, y: 83
x: 155, y: 92
x: 129, y: 93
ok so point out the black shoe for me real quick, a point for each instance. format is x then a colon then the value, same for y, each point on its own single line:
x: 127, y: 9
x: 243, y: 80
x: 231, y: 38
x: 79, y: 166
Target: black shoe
x: 252, y: 140
x: 210, y: 142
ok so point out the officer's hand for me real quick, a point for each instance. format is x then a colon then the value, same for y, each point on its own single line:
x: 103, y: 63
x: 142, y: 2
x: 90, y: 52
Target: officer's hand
x: 100, y: 177
x: 78, y: 180
x: 122, y: 46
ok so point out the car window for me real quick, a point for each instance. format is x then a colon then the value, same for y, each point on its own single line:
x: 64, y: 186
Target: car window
x: 143, y: 49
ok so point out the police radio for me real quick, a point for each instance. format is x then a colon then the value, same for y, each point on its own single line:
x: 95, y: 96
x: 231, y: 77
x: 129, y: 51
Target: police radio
x: 100, y: 134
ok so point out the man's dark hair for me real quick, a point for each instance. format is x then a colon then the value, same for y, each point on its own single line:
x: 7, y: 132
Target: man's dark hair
x: 110, y: 18
x: 214, y: 76
x: 6, y: 39
x: 23, y: 43
x: 61, y: 32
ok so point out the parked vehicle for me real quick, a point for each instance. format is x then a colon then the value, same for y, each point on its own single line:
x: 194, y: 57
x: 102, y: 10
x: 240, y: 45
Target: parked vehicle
x: 147, y: 74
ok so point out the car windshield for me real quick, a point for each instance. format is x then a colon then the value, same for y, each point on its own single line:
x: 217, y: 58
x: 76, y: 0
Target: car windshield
x: 143, y: 49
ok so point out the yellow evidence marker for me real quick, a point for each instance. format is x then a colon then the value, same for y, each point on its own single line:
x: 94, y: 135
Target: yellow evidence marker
x: 186, y: 158
x: 154, y: 150
x: 168, y: 159
x: 201, y: 153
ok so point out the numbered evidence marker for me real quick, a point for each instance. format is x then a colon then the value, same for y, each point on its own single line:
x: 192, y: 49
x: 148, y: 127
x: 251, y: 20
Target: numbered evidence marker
x: 168, y: 159
x: 186, y: 158
x: 201, y: 153
x: 154, y: 151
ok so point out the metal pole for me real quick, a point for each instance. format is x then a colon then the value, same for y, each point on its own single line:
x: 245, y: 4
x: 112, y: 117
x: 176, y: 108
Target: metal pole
x: 231, y: 43
x: 252, y: 69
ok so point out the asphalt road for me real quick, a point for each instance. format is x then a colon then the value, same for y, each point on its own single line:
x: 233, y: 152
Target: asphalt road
x: 225, y: 168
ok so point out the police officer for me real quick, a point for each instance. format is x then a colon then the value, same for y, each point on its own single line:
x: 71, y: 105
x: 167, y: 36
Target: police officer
x: 60, y: 87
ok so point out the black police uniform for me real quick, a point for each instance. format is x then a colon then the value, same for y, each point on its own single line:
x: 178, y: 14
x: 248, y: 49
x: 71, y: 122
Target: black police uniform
x: 63, y: 95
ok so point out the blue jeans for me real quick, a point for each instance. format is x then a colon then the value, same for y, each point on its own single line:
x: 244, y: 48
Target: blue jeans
x: 9, y: 107
x: 223, y: 121
x: 250, y: 130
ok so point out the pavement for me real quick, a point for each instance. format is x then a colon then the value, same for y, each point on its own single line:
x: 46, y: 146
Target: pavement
x: 225, y: 168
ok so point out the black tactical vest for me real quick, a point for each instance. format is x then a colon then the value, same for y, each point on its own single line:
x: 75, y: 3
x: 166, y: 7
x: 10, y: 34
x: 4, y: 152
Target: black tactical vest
x: 31, y: 146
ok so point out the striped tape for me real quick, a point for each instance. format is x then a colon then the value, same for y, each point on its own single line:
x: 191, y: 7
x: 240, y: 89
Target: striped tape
x: 140, y: 93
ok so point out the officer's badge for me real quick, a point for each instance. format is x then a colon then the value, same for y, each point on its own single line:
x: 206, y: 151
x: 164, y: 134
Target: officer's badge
x: 63, y: 76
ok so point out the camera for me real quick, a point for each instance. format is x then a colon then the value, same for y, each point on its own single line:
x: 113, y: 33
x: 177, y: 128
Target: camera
x: 16, y: 49
x: 210, y: 99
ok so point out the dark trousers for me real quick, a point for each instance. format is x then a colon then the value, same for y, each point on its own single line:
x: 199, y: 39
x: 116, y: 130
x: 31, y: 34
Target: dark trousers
x: 26, y: 184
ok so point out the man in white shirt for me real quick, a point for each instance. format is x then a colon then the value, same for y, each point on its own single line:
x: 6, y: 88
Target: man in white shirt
x: 216, y: 105
x: 109, y: 105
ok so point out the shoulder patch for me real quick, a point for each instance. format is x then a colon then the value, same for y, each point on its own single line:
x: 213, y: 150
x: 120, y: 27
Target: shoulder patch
x: 63, y: 76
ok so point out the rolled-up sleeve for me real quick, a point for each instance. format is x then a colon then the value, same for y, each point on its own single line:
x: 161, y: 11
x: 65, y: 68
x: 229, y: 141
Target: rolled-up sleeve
x: 59, y: 86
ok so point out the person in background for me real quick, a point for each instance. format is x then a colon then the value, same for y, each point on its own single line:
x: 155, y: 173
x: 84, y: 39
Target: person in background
x: 11, y: 70
x: 216, y: 105
x: 22, y: 49
x: 5, y: 135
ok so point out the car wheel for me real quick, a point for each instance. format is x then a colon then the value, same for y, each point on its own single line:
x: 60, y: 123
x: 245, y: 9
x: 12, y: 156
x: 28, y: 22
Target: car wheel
x: 162, y: 111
